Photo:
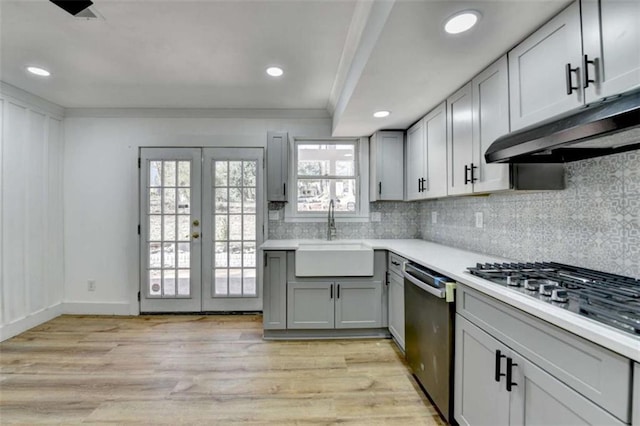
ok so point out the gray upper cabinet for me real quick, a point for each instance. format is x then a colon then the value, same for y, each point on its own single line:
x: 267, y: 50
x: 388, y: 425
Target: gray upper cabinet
x: 545, y: 71
x: 416, y: 160
x: 275, y: 291
x: 386, y: 166
x: 611, y: 37
x: 490, y: 99
x: 459, y: 142
x: 277, y: 166
x: 427, y: 156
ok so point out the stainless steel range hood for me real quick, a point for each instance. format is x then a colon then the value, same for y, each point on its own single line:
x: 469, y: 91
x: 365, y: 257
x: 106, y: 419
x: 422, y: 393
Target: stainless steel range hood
x: 601, y: 128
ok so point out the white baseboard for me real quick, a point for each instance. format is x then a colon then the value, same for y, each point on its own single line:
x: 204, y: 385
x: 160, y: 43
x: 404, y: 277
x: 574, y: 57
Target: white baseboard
x: 23, y: 324
x: 96, y: 308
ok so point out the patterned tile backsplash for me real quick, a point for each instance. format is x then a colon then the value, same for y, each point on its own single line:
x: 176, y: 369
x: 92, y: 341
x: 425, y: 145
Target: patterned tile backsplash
x: 594, y: 222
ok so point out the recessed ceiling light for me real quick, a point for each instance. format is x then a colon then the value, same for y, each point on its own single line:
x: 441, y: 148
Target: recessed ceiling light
x: 275, y: 71
x: 462, y: 21
x: 39, y: 71
x: 381, y: 114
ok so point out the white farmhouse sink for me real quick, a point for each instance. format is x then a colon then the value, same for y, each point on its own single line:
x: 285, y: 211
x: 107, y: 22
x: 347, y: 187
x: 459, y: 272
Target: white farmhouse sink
x: 334, y: 259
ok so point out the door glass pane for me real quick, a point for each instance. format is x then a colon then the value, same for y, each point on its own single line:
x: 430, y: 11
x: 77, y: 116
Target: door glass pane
x: 235, y: 254
x: 154, y: 282
x: 220, y: 282
x: 184, y: 282
x: 184, y: 255
x: 155, y: 173
x: 169, y: 221
x: 235, y: 208
x: 169, y: 228
x: 169, y: 173
x: 184, y: 173
x: 235, y: 282
x: 249, y: 282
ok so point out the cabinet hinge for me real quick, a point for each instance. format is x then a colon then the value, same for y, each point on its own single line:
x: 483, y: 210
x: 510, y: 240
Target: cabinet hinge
x: 138, y: 296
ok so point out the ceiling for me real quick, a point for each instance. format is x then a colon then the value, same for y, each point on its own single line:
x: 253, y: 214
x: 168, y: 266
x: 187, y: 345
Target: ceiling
x: 350, y: 57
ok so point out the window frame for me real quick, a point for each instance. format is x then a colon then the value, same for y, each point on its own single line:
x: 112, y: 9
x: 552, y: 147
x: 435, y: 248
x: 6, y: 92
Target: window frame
x: 361, y: 169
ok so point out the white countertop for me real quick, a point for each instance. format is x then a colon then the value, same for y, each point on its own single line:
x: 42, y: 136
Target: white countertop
x: 453, y: 263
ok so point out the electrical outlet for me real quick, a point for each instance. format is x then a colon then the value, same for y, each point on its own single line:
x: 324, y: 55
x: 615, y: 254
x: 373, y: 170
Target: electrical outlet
x: 479, y: 220
x: 91, y: 285
x: 375, y: 216
x: 434, y: 217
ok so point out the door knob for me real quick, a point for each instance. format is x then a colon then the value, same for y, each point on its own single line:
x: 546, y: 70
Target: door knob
x: 195, y: 235
x: 196, y: 222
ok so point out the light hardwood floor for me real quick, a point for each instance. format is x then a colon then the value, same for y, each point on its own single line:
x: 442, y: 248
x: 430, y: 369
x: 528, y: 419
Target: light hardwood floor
x: 200, y: 370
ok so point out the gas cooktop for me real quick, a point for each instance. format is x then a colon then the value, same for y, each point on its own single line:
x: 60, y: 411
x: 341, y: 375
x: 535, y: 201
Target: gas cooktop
x: 607, y: 298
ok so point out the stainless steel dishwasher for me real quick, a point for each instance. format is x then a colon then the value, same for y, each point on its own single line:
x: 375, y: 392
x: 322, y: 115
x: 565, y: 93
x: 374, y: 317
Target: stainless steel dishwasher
x: 429, y: 333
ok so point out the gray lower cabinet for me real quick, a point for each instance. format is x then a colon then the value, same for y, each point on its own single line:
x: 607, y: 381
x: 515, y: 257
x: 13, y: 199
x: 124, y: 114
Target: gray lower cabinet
x: 275, y: 290
x: 334, y: 304
x: 514, y: 369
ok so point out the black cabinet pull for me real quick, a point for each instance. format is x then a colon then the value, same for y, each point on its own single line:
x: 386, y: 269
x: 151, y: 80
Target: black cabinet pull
x: 338, y: 292
x: 510, y: 365
x: 473, y: 175
x: 393, y: 262
x: 585, y: 64
x: 419, y: 185
x: 284, y: 189
x: 466, y: 174
x: 379, y: 188
x: 331, y: 292
x: 568, y: 71
x: 499, y: 357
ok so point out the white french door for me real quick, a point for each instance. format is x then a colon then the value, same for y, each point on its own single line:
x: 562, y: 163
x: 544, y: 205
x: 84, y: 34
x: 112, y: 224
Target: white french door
x: 201, y: 223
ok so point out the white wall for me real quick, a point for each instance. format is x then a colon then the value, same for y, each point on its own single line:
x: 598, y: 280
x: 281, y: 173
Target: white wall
x: 101, y: 187
x: 31, y: 222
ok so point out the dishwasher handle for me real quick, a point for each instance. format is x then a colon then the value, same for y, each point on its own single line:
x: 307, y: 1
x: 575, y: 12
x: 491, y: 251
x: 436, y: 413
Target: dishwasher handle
x: 440, y: 293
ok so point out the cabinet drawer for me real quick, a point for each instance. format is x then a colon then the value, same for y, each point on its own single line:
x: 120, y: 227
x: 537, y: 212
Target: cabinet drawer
x: 395, y: 263
x: 595, y: 372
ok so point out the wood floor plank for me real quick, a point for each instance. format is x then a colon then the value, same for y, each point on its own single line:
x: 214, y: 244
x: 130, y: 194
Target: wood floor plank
x: 201, y: 369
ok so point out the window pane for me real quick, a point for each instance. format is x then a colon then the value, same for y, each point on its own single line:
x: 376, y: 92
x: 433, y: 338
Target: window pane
x: 235, y: 200
x: 169, y: 173
x: 249, y: 227
x: 170, y: 200
x: 184, y: 173
x: 221, y: 255
x: 326, y: 160
x: 314, y: 195
x: 155, y: 227
x: 235, y: 227
x: 249, y: 175
x: 184, y: 228
x: 169, y: 228
x: 221, y: 231
x: 221, y: 200
x: 169, y: 254
x: 249, y: 254
x: 249, y: 200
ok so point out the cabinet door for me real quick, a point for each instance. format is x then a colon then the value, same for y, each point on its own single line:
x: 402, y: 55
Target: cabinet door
x: 358, y: 304
x: 537, y: 398
x: 538, y: 70
x: 387, y: 166
x: 275, y: 291
x: 611, y: 37
x: 310, y: 305
x: 490, y: 90
x: 416, y: 147
x: 277, y: 166
x: 435, y: 184
x: 396, y: 308
x: 478, y: 398
x: 459, y: 142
